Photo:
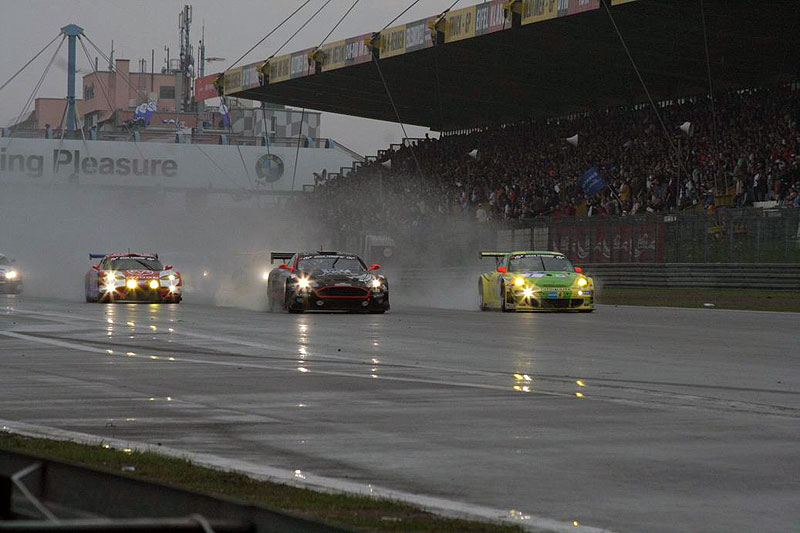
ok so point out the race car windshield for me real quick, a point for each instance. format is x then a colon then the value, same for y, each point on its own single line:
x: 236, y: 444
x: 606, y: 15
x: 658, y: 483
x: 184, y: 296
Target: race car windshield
x: 539, y: 263
x: 135, y: 263
x: 316, y: 263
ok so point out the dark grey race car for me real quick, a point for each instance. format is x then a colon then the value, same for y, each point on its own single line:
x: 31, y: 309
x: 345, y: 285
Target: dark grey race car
x: 326, y: 281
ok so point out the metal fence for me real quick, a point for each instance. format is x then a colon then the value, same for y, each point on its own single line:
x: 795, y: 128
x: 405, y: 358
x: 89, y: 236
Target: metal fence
x: 745, y: 235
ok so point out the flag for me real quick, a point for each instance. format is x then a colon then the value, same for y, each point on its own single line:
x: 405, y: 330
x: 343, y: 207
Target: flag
x: 141, y: 109
x: 592, y: 182
x: 226, y: 118
x: 152, y: 107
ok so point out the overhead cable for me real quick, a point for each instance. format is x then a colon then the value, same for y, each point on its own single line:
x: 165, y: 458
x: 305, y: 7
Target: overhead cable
x: 29, y: 62
x: 317, y: 12
x: 267, y: 36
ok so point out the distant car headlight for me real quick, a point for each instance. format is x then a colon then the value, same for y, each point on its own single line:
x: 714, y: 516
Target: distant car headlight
x: 12, y: 274
x: 131, y: 283
x: 172, y: 277
x: 153, y: 284
x: 519, y: 282
x: 376, y: 283
x: 265, y: 275
x: 582, y: 282
x: 303, y: 283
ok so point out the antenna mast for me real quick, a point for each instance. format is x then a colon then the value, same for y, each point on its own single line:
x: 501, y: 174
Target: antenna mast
x: 187, y: 57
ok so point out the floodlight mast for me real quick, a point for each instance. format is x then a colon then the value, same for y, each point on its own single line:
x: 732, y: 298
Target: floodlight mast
x: 72, y: 31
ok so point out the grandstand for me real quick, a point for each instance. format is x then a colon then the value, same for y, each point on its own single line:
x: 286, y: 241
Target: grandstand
x: 509, y: 82
x: 533, y: 59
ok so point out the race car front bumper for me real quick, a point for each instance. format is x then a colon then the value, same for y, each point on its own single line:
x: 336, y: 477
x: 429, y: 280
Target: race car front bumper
x: 10, y: 287
x: 340, y: 299
x: 550, y: 299
x: 166, y: 292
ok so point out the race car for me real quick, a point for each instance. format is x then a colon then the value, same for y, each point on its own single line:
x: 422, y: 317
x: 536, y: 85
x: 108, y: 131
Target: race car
x: 132, y: 277
x: 326, y: 281
x: 535, y: 281
x: 10, y: 276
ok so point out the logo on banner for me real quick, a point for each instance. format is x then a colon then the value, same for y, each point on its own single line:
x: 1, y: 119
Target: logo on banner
x: 592, y: 182
x: 269, y: 168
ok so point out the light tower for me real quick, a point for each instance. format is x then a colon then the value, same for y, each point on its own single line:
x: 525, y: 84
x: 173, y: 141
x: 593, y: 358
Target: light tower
x: 72, y: 31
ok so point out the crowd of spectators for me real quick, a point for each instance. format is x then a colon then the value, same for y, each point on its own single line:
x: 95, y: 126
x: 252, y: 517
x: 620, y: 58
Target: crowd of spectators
x: 745, y: 148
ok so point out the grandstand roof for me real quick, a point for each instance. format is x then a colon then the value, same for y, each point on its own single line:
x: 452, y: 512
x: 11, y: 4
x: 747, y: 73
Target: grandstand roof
x: 569, y: 63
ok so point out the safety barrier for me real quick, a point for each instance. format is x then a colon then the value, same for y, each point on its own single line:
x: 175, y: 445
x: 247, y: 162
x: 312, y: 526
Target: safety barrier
x: 44, y: 495
x: 697, y: 275
x: 702, y: 275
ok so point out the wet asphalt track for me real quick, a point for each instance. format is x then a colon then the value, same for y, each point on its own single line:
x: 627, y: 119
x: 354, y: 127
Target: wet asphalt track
x: 689, y: 419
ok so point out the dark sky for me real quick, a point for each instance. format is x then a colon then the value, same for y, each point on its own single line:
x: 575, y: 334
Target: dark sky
x: 231, y: 27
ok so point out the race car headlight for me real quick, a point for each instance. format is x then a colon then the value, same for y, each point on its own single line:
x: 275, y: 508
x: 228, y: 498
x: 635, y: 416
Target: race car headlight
x: 12, y: 274
x: 376, y: 283
x: 527, y: 292
x: 153, y: 284
x: 519, y: 282
x: 131, y: 283
x: 582, y: 282
x: 303, y: 283
x: 108, y: 288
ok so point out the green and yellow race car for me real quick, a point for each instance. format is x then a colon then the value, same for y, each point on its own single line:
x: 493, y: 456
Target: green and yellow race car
x: 535, y: 281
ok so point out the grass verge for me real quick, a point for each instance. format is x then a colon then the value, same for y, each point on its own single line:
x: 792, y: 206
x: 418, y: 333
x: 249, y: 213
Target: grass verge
x: 357, y: 513
x: 748, y: 299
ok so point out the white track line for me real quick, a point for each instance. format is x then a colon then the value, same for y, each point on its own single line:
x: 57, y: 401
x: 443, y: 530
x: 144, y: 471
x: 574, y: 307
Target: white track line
x: 440, y: 506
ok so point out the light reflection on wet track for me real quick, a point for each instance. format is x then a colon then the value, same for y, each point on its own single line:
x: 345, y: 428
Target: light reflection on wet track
x: 630, y: 419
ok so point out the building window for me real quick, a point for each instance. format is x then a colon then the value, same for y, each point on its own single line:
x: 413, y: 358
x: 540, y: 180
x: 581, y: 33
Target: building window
x: 88, y: 92
x: 166, y: 92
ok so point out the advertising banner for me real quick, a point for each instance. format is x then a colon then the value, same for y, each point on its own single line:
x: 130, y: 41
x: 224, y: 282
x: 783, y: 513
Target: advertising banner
x: 233, y: 80
x: 204, y: 88
x: 393, y: 41
x: 491, y: 17
x: 250, y: 76
x: 50, y: 162
x: 459, y: 24
x: 290, y: 66
x: 346, y: 52
x: 406, y: 38
x: 539, y: 10
x: 612, y: 243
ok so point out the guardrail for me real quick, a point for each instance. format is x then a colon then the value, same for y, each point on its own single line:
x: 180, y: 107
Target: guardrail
x: 44, y: 495
x: 697, y: 275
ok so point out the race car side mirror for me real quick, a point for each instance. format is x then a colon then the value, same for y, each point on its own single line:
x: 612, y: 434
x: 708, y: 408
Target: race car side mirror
x: 502, y: 269
x: 579, y: 270
x: 376, y: 266
x: 168, y: 267
x: 96, y: 267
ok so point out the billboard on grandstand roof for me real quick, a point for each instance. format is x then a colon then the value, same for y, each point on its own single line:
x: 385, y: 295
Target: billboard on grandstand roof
x: 539, y: 10
x: 204, y: 87
x: 290, y: 66
x: 409, y: 37
x: 346, y: 52
x: 477, y: 20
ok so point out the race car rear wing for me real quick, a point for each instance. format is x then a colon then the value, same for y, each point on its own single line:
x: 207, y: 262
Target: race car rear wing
x: 493, y: 254
x: 101, y: 256
x: 283, y: 256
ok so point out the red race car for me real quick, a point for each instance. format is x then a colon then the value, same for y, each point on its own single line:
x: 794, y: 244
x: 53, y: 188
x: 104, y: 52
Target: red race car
x: 132, y: 277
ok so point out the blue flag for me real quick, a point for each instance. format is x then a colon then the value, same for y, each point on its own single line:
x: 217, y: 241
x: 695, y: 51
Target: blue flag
x: 592, y: 182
